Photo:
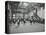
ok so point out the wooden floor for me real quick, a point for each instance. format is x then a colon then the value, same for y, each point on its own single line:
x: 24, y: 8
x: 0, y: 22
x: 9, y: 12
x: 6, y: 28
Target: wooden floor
x: 24, y: 28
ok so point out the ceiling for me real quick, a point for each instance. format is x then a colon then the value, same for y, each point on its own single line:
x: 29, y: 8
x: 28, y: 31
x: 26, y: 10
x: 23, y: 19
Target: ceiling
x: 25, y: 7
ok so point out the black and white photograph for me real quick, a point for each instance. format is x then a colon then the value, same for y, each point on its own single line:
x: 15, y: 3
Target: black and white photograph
x: 24, y: 17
